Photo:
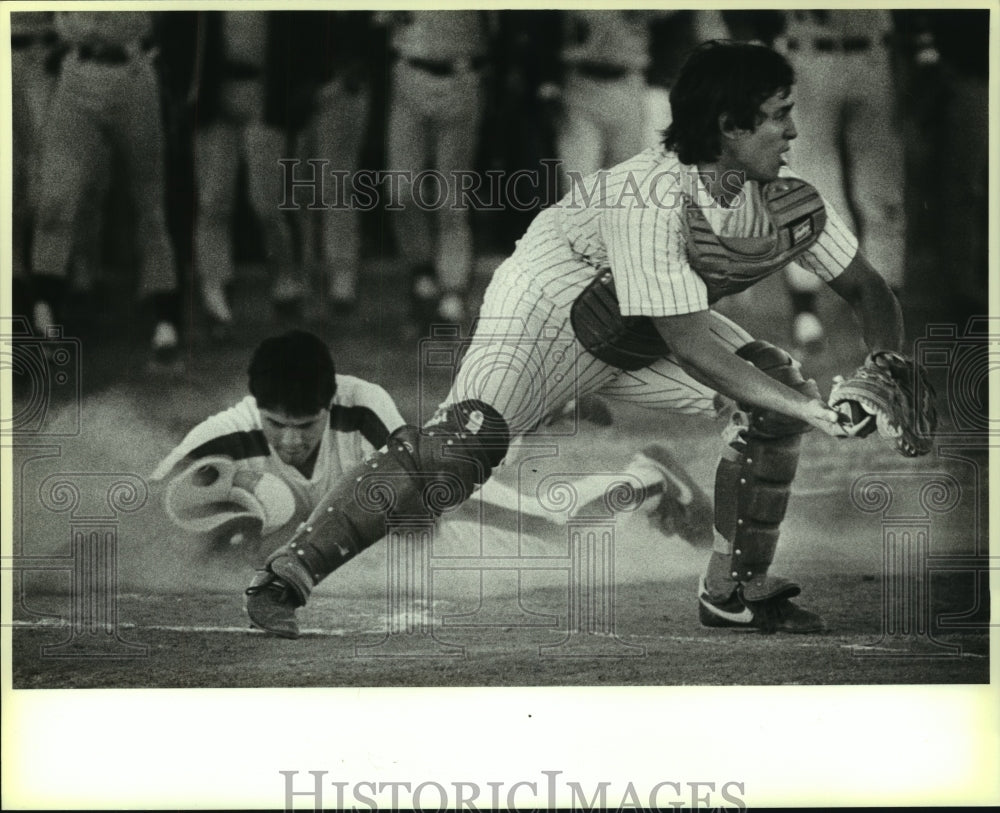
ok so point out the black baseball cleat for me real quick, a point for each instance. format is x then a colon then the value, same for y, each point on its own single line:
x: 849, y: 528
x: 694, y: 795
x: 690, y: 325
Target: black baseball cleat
x: 271, y: 607
x: 778, y: 614
x: 343, y: 307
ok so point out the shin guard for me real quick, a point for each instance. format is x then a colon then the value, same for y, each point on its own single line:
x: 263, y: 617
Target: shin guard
x: 417, y: 476
x: 753, y: 483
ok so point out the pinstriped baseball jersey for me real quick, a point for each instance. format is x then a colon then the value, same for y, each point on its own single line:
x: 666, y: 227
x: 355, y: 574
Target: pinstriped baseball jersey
x: 525, y: 359
x: 629, y: 218
x: 362, y: 415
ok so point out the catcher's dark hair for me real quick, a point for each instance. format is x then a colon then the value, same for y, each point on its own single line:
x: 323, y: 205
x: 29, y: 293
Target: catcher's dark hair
x: 294, y: 373
x: 722, y: 78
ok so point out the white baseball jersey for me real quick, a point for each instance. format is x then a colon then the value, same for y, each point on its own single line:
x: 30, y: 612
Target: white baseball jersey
x: 362, y: 416
x: 605, y: 54
x: 628, y: 219
x: 104, y: 27
x: 606, y: 36
x: 244, y: 36
x: 441, y: 34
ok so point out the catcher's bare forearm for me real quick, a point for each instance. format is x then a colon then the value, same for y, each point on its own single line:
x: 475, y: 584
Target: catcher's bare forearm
x: 715, y: 365
x: 874, y: 304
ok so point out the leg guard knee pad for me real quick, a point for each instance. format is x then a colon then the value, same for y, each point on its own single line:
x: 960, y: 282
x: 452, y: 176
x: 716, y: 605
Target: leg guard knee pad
x: 752, y: 486
x: 417, y: 476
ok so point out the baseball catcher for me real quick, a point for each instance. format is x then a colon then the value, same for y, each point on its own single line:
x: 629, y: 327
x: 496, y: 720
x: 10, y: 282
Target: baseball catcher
x: 614, y: 293
x: 889, y: 393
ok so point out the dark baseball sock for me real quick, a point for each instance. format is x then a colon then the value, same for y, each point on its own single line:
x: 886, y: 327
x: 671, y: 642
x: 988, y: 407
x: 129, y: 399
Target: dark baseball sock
x: 166, y: 307
x: 20, y: 299
x: 803, y: 301
x: 719, y: 579
x: 423, y: 276
x: 49, y: 288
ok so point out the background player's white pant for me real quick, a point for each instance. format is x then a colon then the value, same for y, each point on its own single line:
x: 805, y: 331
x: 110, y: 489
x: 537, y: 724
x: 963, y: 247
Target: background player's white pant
x: 604, y: 122
x: 658, y: 116
x: 336, y: 134
x: 31, y: 89
x: 434, y: 124
x: 98, y: 110
x: 239, y: 137
x: 850, y: 149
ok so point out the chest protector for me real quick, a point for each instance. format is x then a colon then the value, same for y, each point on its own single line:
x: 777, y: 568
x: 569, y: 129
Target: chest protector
x: 727, y: 266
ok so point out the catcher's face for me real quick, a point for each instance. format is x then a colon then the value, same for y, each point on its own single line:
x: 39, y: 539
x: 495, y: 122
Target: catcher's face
x: 760, y: 153
x: 293, y: 437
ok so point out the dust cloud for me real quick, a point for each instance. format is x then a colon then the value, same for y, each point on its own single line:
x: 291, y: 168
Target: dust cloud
x: 101, y: 479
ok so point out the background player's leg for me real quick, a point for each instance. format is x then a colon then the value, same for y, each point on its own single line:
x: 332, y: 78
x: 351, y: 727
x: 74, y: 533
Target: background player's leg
x: 24, y: 136
x: 578, y: 140
x: 458, y: 114
x: 216, y: 166
x: 803, y: 288
x: 965, y: 192
x: 72, y: 139
x: 625, y: 120
x: 139, y: 136
x: 875, y: 150
x: 407, y: 149
x: 817, y: 154
x: 339, y: 128
x: 265, y: 145
x: 31, y: 90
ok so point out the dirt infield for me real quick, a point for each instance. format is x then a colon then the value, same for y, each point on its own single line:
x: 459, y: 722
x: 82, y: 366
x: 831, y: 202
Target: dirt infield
x: 203, y: 641
x: 892, y: 552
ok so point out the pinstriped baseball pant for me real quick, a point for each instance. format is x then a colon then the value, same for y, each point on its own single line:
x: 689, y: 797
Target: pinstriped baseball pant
x: 525, y: 361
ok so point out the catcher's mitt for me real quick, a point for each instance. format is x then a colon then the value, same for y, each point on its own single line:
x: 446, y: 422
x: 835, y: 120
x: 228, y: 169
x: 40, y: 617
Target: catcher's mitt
x: 891, y: 393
